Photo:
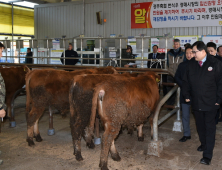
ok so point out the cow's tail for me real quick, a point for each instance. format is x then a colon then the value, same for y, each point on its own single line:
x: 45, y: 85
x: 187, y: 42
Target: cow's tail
x: 27, y: 88
x: 98, y: 96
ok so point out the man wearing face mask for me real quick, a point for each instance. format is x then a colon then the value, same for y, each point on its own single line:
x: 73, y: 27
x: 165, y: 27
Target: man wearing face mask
x: 174, y: 58
x: 185, y: 106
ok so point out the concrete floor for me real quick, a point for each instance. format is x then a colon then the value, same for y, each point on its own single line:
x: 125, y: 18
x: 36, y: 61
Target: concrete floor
x: 56, y: 152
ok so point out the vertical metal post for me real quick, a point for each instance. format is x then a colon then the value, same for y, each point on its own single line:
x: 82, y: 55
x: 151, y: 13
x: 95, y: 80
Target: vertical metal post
x: 47, y: 42
x: 120, y: 50
x: 83, y: 17
x: 100, y: 52
x: 12, y: 29
x: 81, y: 52
x: 32, y: 51
x: 142, y: 53
x: 6, y: 48
x: 95, y: 59
x: 178, y: 103
x: 19, y: 50
x: 37, y: 52
x: 64, y: 55
x: 166, y: 55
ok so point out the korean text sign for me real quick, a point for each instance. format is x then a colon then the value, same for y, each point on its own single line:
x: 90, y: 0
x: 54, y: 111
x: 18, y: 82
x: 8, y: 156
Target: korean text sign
x: 186, y: 13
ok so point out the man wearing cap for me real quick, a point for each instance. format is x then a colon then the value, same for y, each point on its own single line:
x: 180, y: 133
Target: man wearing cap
x: 203, y: 83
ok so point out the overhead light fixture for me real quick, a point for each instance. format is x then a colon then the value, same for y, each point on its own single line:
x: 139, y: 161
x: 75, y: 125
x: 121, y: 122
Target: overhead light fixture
x: 20, y: 3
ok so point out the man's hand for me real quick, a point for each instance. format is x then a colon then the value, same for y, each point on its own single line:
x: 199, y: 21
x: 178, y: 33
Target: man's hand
x: 2, y: 113
x: 216, y: 104
x: 126, y: 65
x: 187, y: 100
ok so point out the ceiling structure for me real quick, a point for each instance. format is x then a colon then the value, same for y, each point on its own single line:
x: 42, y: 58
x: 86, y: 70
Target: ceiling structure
x: 19, y: 2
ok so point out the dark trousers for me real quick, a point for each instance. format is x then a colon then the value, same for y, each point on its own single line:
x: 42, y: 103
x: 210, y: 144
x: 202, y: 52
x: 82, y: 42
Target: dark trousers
x: 218, y: 116
x: 171, y: 100
x: 186, y: 119
x: 206, y: 128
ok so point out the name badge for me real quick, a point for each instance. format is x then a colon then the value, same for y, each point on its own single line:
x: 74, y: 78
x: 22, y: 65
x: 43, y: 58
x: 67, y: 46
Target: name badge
x: 210, y: 68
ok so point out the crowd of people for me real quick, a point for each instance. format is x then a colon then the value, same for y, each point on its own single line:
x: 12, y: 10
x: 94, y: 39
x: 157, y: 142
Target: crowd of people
x: 198, y: 72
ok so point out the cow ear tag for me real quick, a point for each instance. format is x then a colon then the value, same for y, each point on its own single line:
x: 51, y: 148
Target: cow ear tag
x: 157, y: 80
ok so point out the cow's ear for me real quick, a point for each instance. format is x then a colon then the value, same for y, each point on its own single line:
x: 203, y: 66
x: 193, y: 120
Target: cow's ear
x: 157, y: 80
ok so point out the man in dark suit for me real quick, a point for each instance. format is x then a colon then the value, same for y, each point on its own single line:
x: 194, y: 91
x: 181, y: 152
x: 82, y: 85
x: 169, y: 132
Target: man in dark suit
x: 154, y: 55
x: 203, y: 83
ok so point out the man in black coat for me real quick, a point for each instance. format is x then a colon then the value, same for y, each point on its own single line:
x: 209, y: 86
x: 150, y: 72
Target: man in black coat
x: 212, y: 50
x: 68, y: 54
x: 181, y: 70
x: 203, y: 83
x: 29, y: 54
x: 155, y: 55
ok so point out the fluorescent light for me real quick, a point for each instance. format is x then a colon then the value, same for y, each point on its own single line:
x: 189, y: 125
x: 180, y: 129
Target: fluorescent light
x: 10, y: 1
x: 26, y: 4
x: 20, y: 3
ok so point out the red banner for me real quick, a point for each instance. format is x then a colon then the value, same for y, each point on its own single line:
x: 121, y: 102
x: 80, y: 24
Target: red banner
x: 140, y: 15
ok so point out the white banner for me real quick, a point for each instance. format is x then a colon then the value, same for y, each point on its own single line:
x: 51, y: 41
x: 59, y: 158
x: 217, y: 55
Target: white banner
x: 217, y: 39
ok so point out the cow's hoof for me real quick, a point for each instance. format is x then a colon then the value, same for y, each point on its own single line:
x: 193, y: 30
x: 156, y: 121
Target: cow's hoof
x: 141, y: 139
x: 78, y: 157
x: 30, y: 142
x: 91, y: 145
x: 116, y: 157
x: 38, y: 138
x: 104, y: 167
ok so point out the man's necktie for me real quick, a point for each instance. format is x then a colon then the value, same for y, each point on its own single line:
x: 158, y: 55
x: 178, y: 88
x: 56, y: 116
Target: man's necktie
x: 154, y: 56
x: 200, y: 63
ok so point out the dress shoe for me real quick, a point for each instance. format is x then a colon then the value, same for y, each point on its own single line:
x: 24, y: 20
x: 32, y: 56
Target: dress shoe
x: 201, y: 148
x: 205, y: 161
x: 185, y: 138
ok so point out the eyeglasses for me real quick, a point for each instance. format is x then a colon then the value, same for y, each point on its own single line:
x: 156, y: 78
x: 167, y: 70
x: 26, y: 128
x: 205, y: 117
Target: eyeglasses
x: 194, y: 52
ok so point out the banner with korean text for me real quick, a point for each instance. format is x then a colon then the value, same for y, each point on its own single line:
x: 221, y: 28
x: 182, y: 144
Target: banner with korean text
x: 217, y: 39
x: 185, y: 13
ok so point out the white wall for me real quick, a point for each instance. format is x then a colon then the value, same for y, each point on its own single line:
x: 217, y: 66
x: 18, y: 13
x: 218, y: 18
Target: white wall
x: 55, y: 20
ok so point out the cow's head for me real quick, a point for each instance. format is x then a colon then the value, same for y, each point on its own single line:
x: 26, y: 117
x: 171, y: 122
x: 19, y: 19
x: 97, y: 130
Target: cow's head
x: 153, y: 75
x: 26, y: 69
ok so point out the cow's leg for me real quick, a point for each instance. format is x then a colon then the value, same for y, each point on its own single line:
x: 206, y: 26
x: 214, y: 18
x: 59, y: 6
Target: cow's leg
x: 88, y: 138
x: 8, y: 103
x: 76, y: 131
x: 140, y: 133
x: 114, y: 154
x: 37, y: 136
x: 151, y: 125
x: 32, y: 120
x: 108, y: 137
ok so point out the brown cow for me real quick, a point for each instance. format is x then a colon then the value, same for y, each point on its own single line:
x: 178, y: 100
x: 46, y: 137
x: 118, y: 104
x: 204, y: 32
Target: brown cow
x: 14, y: 78
x: 49, y: 88
x: 81, y: 94
x: 126, y: 101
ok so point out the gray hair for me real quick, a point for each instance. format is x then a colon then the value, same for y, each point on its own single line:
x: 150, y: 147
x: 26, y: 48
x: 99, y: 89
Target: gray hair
x: 177, y: 40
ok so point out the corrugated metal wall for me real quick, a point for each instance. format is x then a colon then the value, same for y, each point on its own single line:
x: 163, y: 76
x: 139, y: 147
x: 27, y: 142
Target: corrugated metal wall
x: 55, y: 20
